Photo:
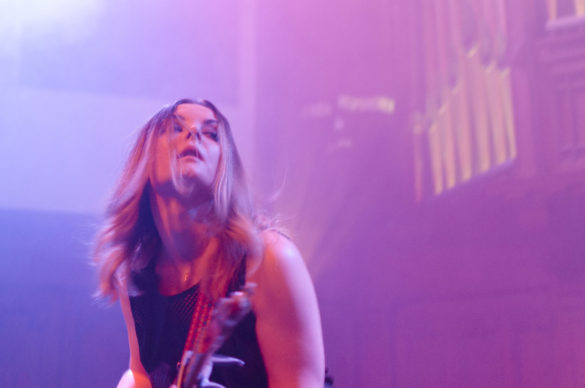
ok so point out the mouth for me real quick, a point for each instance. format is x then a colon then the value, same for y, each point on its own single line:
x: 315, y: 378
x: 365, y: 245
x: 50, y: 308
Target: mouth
x: 190, y: 152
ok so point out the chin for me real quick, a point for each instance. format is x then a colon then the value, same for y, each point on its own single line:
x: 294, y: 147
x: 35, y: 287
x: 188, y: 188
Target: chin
x: 192, y: 184
x: 190, y: 175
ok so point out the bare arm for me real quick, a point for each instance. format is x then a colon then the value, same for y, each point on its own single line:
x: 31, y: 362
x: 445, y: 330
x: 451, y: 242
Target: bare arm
x: 288, y: 323
x: 135, y: 376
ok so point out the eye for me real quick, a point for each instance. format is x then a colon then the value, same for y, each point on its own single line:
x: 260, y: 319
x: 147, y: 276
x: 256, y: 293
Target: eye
x: 211, y: 134
x: 177, y: 127
x: 210, y: 130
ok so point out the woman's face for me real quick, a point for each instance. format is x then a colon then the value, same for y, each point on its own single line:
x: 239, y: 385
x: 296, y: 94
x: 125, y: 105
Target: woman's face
x: 192, y: 140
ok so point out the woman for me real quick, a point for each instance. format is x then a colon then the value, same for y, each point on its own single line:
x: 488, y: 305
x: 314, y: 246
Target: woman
x: 180, y: 233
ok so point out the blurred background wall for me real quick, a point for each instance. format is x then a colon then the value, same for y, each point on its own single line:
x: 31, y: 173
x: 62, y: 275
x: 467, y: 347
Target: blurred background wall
x: 427, y: 156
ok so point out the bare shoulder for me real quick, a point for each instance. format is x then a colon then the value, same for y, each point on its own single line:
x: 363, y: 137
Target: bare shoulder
x: 279, y: 249
x: 281, y: 262
x: 288, y: 324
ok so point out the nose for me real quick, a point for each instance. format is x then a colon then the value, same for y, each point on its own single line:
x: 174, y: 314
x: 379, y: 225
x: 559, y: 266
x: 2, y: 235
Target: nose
x: 194, y: 132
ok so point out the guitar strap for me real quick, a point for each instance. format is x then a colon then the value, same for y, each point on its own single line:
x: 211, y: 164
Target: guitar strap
x: 203, y: 309
x: 199, y: 322
x: 201, y: 317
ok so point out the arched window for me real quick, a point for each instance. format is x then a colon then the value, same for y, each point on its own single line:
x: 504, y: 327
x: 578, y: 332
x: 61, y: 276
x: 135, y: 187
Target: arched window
x: 466, y: 126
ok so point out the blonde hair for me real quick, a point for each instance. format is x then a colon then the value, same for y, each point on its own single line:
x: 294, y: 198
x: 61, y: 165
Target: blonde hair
x: 128, y: 243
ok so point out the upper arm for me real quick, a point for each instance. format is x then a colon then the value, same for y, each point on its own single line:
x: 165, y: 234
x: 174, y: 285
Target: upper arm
x: 288, y: 323
x: 136, y: 376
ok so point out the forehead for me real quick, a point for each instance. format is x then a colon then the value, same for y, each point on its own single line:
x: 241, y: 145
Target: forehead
x: 194, y: 113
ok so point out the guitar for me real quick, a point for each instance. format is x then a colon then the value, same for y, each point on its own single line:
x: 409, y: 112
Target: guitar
x: 197, y: 363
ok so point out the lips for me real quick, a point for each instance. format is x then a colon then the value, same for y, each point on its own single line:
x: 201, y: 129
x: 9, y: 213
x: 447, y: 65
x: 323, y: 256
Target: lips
x: 190, y: 152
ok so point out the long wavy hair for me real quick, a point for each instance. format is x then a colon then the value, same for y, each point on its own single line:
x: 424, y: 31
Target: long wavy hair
x: 128, y: 244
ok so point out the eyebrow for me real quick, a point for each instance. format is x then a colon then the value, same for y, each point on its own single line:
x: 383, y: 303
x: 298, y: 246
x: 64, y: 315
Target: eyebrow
x: 178, y: 119
x: 211, y: 121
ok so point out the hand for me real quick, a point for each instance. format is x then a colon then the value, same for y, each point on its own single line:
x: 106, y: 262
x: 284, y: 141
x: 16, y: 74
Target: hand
x: 208, y: 368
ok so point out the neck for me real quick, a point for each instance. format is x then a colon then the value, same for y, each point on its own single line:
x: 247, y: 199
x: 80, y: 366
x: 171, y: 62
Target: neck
x: 186, y: 233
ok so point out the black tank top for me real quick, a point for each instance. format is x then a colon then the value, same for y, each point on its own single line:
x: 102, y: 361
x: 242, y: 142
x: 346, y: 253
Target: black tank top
x: 162, y: 325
